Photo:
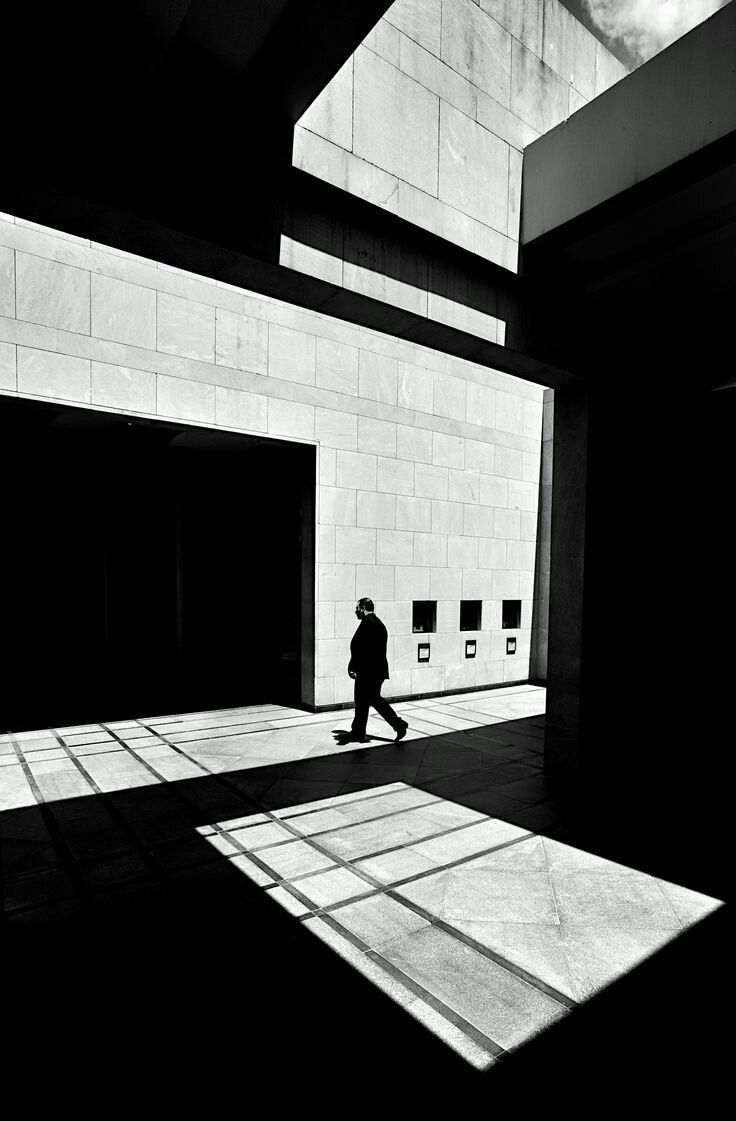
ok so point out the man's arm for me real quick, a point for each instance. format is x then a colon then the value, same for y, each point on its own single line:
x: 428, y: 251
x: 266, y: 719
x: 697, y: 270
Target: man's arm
x: 355, y: 645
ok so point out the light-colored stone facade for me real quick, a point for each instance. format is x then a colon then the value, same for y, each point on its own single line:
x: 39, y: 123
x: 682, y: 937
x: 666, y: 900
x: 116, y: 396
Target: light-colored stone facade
x: 428, y: 466
x: 430, y: 116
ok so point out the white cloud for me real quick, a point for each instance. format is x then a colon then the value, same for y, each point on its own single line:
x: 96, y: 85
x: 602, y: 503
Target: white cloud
x: 647, y: 26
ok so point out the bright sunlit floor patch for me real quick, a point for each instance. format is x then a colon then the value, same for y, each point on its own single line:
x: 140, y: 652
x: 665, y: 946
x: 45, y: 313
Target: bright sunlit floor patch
x: 484, y: 932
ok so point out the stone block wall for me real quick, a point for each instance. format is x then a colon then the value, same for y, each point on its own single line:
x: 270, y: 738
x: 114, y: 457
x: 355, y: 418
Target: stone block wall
x: 430, y: 116
x: 540, y: 608
x: 428, y: 466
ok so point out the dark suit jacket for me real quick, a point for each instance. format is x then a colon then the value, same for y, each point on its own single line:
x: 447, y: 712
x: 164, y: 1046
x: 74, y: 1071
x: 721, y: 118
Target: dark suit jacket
x: 368, y: 649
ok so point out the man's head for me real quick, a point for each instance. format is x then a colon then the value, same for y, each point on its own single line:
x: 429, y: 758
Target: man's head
x: 364, y: 607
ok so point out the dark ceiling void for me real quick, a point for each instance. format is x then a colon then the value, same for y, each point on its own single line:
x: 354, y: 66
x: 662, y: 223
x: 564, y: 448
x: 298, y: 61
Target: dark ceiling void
x: 168, y: 131
x: 176, y: 113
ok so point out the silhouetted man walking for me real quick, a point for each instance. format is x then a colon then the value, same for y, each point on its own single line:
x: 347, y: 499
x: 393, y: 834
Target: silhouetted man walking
x: 369, y: 667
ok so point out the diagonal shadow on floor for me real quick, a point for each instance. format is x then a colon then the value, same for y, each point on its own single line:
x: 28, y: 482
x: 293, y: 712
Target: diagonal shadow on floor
x: 124, y: 925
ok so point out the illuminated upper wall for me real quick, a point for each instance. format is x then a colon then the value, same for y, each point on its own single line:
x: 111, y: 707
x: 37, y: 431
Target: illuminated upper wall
x: 429, y: 117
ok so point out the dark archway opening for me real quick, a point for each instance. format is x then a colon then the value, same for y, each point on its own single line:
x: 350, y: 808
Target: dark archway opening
x: 150, y: 567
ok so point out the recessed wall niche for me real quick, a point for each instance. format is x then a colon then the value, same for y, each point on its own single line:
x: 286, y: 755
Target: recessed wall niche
x: 424, y: 616
x: 471, y: 613
x: 511, y: 614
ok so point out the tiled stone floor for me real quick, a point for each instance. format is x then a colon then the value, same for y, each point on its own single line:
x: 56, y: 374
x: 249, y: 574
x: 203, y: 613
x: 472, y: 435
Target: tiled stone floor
x: 445, y: 871
x: 45, y: 765
x: 476, y: 926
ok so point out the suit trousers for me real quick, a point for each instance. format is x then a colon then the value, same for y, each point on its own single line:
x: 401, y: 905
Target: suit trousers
x: 367, y: 693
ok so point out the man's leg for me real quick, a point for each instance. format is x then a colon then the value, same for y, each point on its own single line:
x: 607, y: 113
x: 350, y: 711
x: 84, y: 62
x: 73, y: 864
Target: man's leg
x: 383, y: 708
x: 362, y: 696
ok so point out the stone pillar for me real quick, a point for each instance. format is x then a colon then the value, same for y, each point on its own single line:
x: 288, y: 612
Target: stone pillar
x: 540, y: 613
x: 567, y: 570
x: 636, y: 616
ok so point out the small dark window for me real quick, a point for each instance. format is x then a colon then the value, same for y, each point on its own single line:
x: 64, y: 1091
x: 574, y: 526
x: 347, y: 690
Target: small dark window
x: 470, y: 614
x: 423, y: 652
x: 510, y: 645
x: 470, y: 645
x: 511, y: 614
x: 424, y: 616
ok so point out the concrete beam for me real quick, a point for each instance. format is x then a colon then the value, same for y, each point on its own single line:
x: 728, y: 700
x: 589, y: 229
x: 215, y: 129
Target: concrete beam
x: 674, y: 106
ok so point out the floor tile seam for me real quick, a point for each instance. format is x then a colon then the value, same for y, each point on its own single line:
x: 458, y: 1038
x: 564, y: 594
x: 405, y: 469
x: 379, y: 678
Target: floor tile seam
x: 504, y: 723
x: 321, y: 809
x: 449, y: 1014
x: 455, y: 1019
x: 207, y: 773
x: 496, y: 743
x: 469, y: 775
x: 169, y: 730
x: 393, y: 848
x: 453, y: 864
x: 25, y: 767
x: 532, y: 745
x: 94, y: 754
x: 341, y: 828
x: 505, y: 718
x: 311, y: 718
x: 91, y: 782
x: 522, y: 738
x: 181, y: 717
x: 465, y: 717
x: 518, y: 972
x: 97, y: 789
x: 493, y: 764
x: 440, y: 728
x: 136, y: 844
x: 353, y: 865
x: 451, y: 737
x: 443, y: 710
x: 85, y: 743
x: 179, y: 795
x: 475, y: 717
x: 270, y: 872
x: 185, y: 754
x: 336, y: 861
x: 34, y: 751
x: 136, y: 758
x: 295, y: 894
x: 220, y: 780
x: 375, y: 793
x: 218, y: 719
x: 378, y: 887
x: 46, y: 765
x: 551, y: 881
x: 521, y: 735
x: 232, y: 721
x: 338, y: 904
x: 157, y: 774
x: 219, y: 736
x: 668, y: 902
x: 67, y: 863
x: 476, y: 734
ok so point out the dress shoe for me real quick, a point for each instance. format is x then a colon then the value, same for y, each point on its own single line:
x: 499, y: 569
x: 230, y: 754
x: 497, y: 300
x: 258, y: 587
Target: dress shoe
x: 401, y: 731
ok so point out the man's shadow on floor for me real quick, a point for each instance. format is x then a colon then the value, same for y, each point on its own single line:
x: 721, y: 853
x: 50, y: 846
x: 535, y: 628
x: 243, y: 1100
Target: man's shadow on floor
x: 344, y: 737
